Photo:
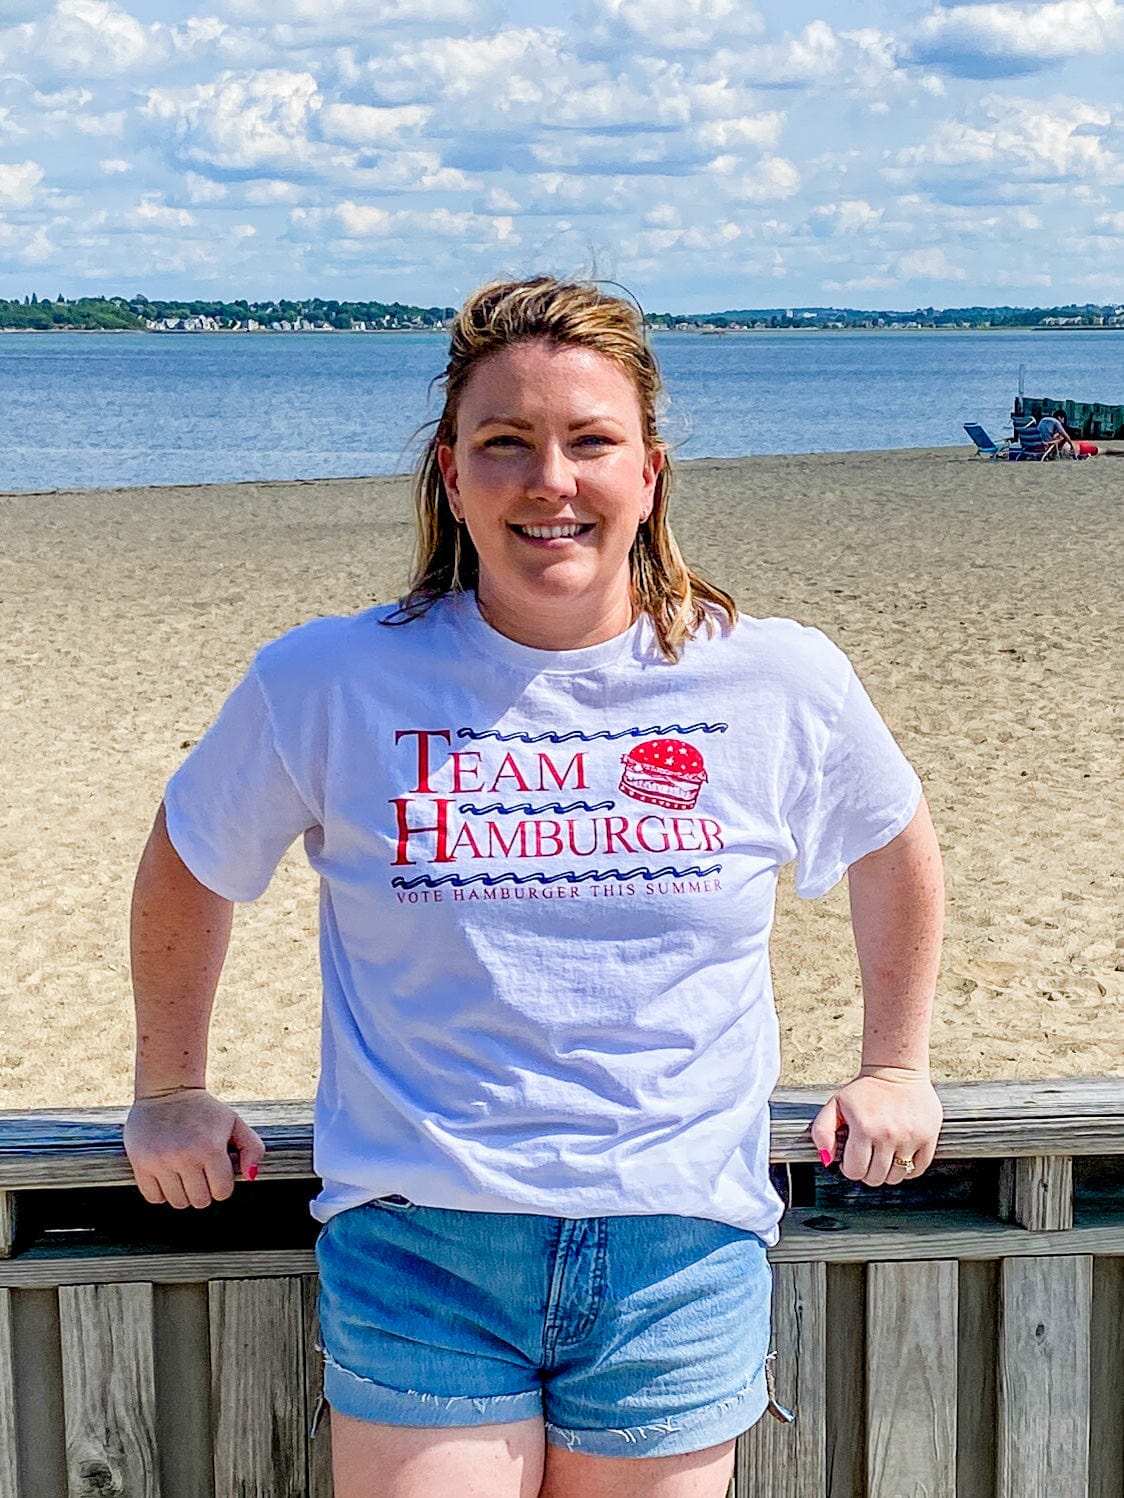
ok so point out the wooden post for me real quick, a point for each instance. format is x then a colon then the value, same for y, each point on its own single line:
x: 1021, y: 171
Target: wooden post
x: 1045, y: 1315
x: 9, y: 1474
x: 320, y: 1445
x: 788, y: 1461
x: 1106, y: 1443
x: 7, y: 1224
x: 1036, y: 1191
x: 257, y: 1351
x: 109, y: 1390
x: 911, y: 1379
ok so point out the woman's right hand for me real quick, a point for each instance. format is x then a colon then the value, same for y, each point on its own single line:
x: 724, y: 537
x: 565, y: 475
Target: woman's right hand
x: 178, y: 1145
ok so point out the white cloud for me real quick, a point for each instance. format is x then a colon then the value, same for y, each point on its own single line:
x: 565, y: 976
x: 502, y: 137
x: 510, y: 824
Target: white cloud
x: 849, y: 216
x: 772, y: 177
x: 114, y: 166
x: 1018, y: 141
x: 242, y: 120
x: 19, y: 183
x: 202, y: 189
x: 38, y: 248
x: 270, y: 190
x: 363, y: 14
x: 692, y: 23
x: 364, y: 125
x: 110, y: 125
x: 807, y: 59
x: 151, y: 212
x: 929, y: 265
x: 1112, y: 222
x: 89, y: 39
x: 1005, y: 40
x: 360, y: 219
x: 758, y: 131
x: 499, y: 200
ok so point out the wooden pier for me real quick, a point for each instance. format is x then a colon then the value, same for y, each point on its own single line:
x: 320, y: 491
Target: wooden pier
x: 958, y: 1337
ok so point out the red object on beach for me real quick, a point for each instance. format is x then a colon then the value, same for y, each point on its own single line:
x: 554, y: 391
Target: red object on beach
x: 1088, y: 449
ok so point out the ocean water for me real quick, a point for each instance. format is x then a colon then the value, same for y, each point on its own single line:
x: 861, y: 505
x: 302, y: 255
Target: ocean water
x: 109, y: 410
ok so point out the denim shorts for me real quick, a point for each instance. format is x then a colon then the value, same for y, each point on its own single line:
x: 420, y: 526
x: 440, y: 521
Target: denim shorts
x: 628, y: 1336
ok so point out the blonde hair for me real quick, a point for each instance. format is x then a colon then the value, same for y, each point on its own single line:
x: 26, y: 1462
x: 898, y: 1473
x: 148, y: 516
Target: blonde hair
x: 495, y: 317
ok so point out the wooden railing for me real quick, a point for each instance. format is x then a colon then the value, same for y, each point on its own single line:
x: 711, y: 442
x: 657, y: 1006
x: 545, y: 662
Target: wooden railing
x: 958, y: 1337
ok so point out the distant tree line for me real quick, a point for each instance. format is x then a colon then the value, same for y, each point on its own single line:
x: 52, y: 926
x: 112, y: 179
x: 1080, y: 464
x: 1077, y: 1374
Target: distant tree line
x: 136, y: 312
x: 139, y: 312
x: 1088, y: 315
x: 85, y: 312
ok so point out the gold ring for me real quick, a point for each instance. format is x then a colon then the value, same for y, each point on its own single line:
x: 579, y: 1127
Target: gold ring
x: 907, y: 1165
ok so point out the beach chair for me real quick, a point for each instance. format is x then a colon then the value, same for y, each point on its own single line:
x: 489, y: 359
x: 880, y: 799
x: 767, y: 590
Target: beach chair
x: 985, y: 447
x: 1029, y: 445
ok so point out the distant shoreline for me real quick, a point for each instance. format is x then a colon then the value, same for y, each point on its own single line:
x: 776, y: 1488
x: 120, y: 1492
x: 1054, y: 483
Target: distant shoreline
x: 390, y: 332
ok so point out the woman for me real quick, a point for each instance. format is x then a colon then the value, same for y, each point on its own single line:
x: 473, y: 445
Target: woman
x: 548, y: 796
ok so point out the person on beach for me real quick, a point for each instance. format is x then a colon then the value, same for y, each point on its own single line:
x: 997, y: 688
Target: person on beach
x: 1052, y: 430
x: 548, y: 795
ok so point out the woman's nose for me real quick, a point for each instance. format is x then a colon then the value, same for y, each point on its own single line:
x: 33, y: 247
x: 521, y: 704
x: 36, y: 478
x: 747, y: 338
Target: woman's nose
x: 553, y: 474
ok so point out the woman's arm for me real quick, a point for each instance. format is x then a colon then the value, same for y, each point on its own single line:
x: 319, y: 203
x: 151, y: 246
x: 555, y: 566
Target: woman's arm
x: 177, y: 1135
x: 890, y: 1110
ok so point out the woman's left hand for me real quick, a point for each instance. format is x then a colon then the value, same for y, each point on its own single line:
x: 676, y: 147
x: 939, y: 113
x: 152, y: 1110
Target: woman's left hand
x: 890, y: 1115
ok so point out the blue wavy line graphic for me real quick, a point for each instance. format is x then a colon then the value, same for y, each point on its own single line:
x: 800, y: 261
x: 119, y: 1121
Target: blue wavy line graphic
x: 528, y: 810
x: 597, y: 876
x: 589, y: 738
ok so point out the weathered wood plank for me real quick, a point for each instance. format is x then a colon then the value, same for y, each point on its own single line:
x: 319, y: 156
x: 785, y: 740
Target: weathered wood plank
x: 8, y: 1208
x: 983, y: 1120
x: 1043, y: 1403
x: 845, y: 1422
x: 182, y: 1340
x: 320, y: 1445
x: 911, y: 1327
x: 9, y: 1456
x: 1036, y: 1191
x: 976, y: 1342
x: 1106, y: 1391
x: 257, y: 1393
x: 109, y: 1390
x: 865, y: 1238
x: 37, y: 1354
x: 867, y: 1235
x: 789, y: 1461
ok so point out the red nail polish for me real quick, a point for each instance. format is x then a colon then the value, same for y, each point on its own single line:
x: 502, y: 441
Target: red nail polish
x: 826, y: 1157
x: 251, y: 1172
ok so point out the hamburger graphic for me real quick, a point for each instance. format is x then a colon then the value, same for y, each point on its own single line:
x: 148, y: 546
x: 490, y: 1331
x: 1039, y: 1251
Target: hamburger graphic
x: 664, y: 772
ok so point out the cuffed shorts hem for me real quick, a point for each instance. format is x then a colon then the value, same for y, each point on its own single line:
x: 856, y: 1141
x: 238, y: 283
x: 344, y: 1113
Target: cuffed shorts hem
x: 364, y: 1399
x: 672, y: 1435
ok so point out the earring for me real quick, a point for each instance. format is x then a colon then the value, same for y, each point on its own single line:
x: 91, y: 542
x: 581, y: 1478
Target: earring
x: 457, y: 585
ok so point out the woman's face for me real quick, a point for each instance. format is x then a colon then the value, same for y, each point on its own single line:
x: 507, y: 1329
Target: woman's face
x: 551, y: 476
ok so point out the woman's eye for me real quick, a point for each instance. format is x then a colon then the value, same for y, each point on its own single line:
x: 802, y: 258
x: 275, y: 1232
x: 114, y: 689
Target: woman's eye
x: 595, y: 439
x: 505, y: 440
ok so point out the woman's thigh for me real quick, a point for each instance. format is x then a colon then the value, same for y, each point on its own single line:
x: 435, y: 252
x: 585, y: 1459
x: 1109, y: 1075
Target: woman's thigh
x: 405, y: 1461
x: 697, y: 1474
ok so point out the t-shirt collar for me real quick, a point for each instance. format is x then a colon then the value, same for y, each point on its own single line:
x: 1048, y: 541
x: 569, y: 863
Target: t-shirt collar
x: 464, y: 617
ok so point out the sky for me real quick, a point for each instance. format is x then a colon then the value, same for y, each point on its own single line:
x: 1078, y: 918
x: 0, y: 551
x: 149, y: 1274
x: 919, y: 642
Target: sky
x: 710, y: 154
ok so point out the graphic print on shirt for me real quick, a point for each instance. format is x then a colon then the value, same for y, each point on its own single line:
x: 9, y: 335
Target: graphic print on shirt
x: 521, y: 809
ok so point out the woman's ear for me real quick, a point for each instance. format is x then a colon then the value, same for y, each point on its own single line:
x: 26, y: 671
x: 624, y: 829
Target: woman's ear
x: 653, y: 466
x: 447, y: 464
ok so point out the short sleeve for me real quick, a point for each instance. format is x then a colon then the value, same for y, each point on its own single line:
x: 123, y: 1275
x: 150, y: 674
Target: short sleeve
x: 233, y: 808
x: 862, y: 795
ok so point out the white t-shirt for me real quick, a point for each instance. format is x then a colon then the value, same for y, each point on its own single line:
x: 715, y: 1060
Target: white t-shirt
x: 547, y: 886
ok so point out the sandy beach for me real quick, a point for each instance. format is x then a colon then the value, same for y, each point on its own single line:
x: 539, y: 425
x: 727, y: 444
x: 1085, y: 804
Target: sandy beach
x: 979, y: 602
